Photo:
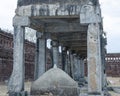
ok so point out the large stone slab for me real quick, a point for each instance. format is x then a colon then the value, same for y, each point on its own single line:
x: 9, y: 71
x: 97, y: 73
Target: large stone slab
x: 55, y: 82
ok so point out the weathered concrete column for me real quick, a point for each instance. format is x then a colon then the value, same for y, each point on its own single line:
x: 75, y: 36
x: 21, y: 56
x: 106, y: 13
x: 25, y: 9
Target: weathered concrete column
x: 40, y: 61
x: 68, y: 65
x: 94, y: 60
x: 72, y: 64
x: 16, y: 81
x: 82, y: 80
x: 64, y: 53
x: 76, y: 68
x: 55, y: 49
x: 103, y: 52
x: 81, y: 68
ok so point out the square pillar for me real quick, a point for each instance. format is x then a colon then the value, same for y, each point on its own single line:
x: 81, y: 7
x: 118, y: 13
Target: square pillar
x: 40, y: 58
x: 94, y: 60
x: 76, y: 68
x: 55, y: 50
x: 82, y: 74
x: 64, y: 55
x: 68, y: 64
x: 103, y: 53
x: 72, y: 64
x: 16, y: 82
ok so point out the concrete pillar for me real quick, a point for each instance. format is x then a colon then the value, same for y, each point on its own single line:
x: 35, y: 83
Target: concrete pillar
x: 82, y: 80
x: 72, y: 64
x: 76, y: 68
x: 68, y: 64
x: 94, y: 60
x: 16, y: 82
x: 103, y: 52
x: 66, y: 61
x: 40, y: 60
x: 64, y: 54
x: 81, y: 68
x: 55, y: 49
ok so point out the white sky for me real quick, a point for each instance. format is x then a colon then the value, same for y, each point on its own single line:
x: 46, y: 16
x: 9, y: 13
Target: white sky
x: 110, y: 13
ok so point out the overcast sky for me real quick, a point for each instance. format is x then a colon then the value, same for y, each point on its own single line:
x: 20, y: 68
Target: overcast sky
x: 110, y: 13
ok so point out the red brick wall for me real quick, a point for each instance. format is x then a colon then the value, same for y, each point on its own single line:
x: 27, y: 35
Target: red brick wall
x: 6, y: 53
x: 113, y: 64
x: 6, y: 56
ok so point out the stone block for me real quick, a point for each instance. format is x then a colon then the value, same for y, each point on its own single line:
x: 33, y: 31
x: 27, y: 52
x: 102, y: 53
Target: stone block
x: 21, y: 21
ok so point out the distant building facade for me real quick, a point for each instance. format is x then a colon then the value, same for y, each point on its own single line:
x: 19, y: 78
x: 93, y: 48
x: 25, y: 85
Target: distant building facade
x: 6, y: 59
x: 6, y: 56
x: 113, y: 64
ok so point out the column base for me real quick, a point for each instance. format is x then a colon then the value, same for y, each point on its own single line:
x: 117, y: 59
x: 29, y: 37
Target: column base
x: 82, y: 82
x: 23, y: 93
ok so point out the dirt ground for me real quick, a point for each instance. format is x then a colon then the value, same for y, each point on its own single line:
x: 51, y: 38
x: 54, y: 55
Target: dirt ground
x: 115, y: 82
x: 3, y: 88
x: 112, y: 82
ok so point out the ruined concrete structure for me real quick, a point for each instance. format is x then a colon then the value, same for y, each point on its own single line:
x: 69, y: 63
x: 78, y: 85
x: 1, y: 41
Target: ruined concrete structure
x: 76, y: 26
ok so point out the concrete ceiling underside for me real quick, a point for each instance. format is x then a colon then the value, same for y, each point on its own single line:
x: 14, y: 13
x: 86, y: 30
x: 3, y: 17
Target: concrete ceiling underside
x: 67, y: 31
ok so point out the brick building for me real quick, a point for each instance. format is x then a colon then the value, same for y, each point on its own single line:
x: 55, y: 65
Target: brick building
x: 6, y: 52
x: 113, y: 64
x: 6, y: 58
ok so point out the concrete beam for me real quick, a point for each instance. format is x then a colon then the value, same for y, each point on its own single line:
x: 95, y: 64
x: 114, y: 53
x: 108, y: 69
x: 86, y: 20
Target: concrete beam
x: 74, y: 43
x: 45, y: 9
x: 67, y: 27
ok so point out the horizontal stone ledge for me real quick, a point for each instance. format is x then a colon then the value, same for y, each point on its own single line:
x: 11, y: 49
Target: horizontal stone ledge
x: 49, y: 9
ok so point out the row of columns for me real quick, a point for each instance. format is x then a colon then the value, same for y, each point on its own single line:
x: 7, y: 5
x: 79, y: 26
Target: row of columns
x: 70, y: 63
